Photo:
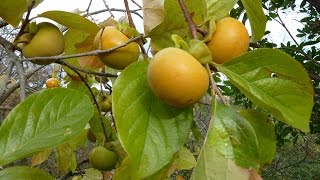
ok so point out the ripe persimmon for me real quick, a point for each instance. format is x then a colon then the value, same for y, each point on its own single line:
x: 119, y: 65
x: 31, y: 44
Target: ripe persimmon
x: 52, y: 83
x: 47, y: 41
x: 176, y: 77
x: 110, y: 37
x: 231, y: 39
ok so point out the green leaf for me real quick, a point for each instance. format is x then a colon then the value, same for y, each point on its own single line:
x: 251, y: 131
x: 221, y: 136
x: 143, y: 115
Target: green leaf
x: 217, y: 9
x: 276, y: 82
x: 24, y: 172
x: 233, y: 136
x: 200, y: 51
x: 264, y: 131
x: 97, y: 129
x: 162, y: 19
x: 149, y: 130
x: 44, y: 120
x: 12, y: 11
x: 72, y: 20
x: 179, y: 42
x: 257, y: 18
x: 125, y: 170
x: 211, y: 165
x: 185, y: 159
x: 230, y: 139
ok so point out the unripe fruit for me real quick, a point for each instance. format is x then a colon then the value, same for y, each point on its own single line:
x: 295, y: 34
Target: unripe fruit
x: 177, y: 78
x: 48, y: 41
x: 52, y: 83
x: 120, y: 58
x: 231, y: 39
x: 105, y: 106
x: 102, y: 159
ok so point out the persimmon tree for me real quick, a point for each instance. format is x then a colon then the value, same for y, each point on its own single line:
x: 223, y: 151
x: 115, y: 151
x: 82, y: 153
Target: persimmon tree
x: 145, y: 132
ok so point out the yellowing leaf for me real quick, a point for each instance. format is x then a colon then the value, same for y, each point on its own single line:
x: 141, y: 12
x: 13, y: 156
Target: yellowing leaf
x: 40, y: 157
x: 153, y: 14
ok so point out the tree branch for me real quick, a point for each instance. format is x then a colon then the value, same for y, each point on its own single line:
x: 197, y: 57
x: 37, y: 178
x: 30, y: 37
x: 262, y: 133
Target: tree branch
x: 315, y: 4
x: 91, y: 53
x: 12, y: 87
x: 84, y: 70
x: 314, y: 77
x: 3, y: 23
x: 118, y: 10
x: 136, y: 4
x: 192, y: 26
x: 131, y: 23
x: 26, y: 21
x: 94, y: 100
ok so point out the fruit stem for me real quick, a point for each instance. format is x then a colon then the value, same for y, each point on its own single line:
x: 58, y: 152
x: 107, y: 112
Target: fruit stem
x: 214, y: 87
x: 193, y: 28
x: 26, y: 21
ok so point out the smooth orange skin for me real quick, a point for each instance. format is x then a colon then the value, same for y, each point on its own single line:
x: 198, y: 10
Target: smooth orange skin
x: 89, y: 62
x: 231, y: 39
x: 120, y: 58
x: 48, y: 41
x: 52, y: 83
x: 177, y: 78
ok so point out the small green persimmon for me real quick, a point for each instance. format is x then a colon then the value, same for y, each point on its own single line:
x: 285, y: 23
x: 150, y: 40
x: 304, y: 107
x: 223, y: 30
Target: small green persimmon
x: 105, y: 106
x: 102, y: 159
x: 231, y: 39
x: 47, y: 41
x: 52, y: 83
x: 110, y: 37
x: 176, y: 77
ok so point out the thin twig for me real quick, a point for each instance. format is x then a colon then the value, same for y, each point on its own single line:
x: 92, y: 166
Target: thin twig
x: 70, y: 173
x: 3, y: 23
x: 131, y: 23
x: 91, y: 53
x: 6, y: 108
x: 14, y: 59
x: 134, y: 2
x: 106, y: 5
x: 192, y: 26
x: 301, y: 52
x: 117, y: 10
x: 85, y: 70
x: 214, y: 87
x: 87, y: 10
x: 22, y: 77
x: 93, y: 97
x: 14, y: 86
x: 26, y: 21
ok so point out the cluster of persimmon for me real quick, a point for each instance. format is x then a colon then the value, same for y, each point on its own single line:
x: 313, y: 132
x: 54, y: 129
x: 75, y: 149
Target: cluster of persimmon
x: 45, y: 39
x: 174, y: 75
x: 179, y: 79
